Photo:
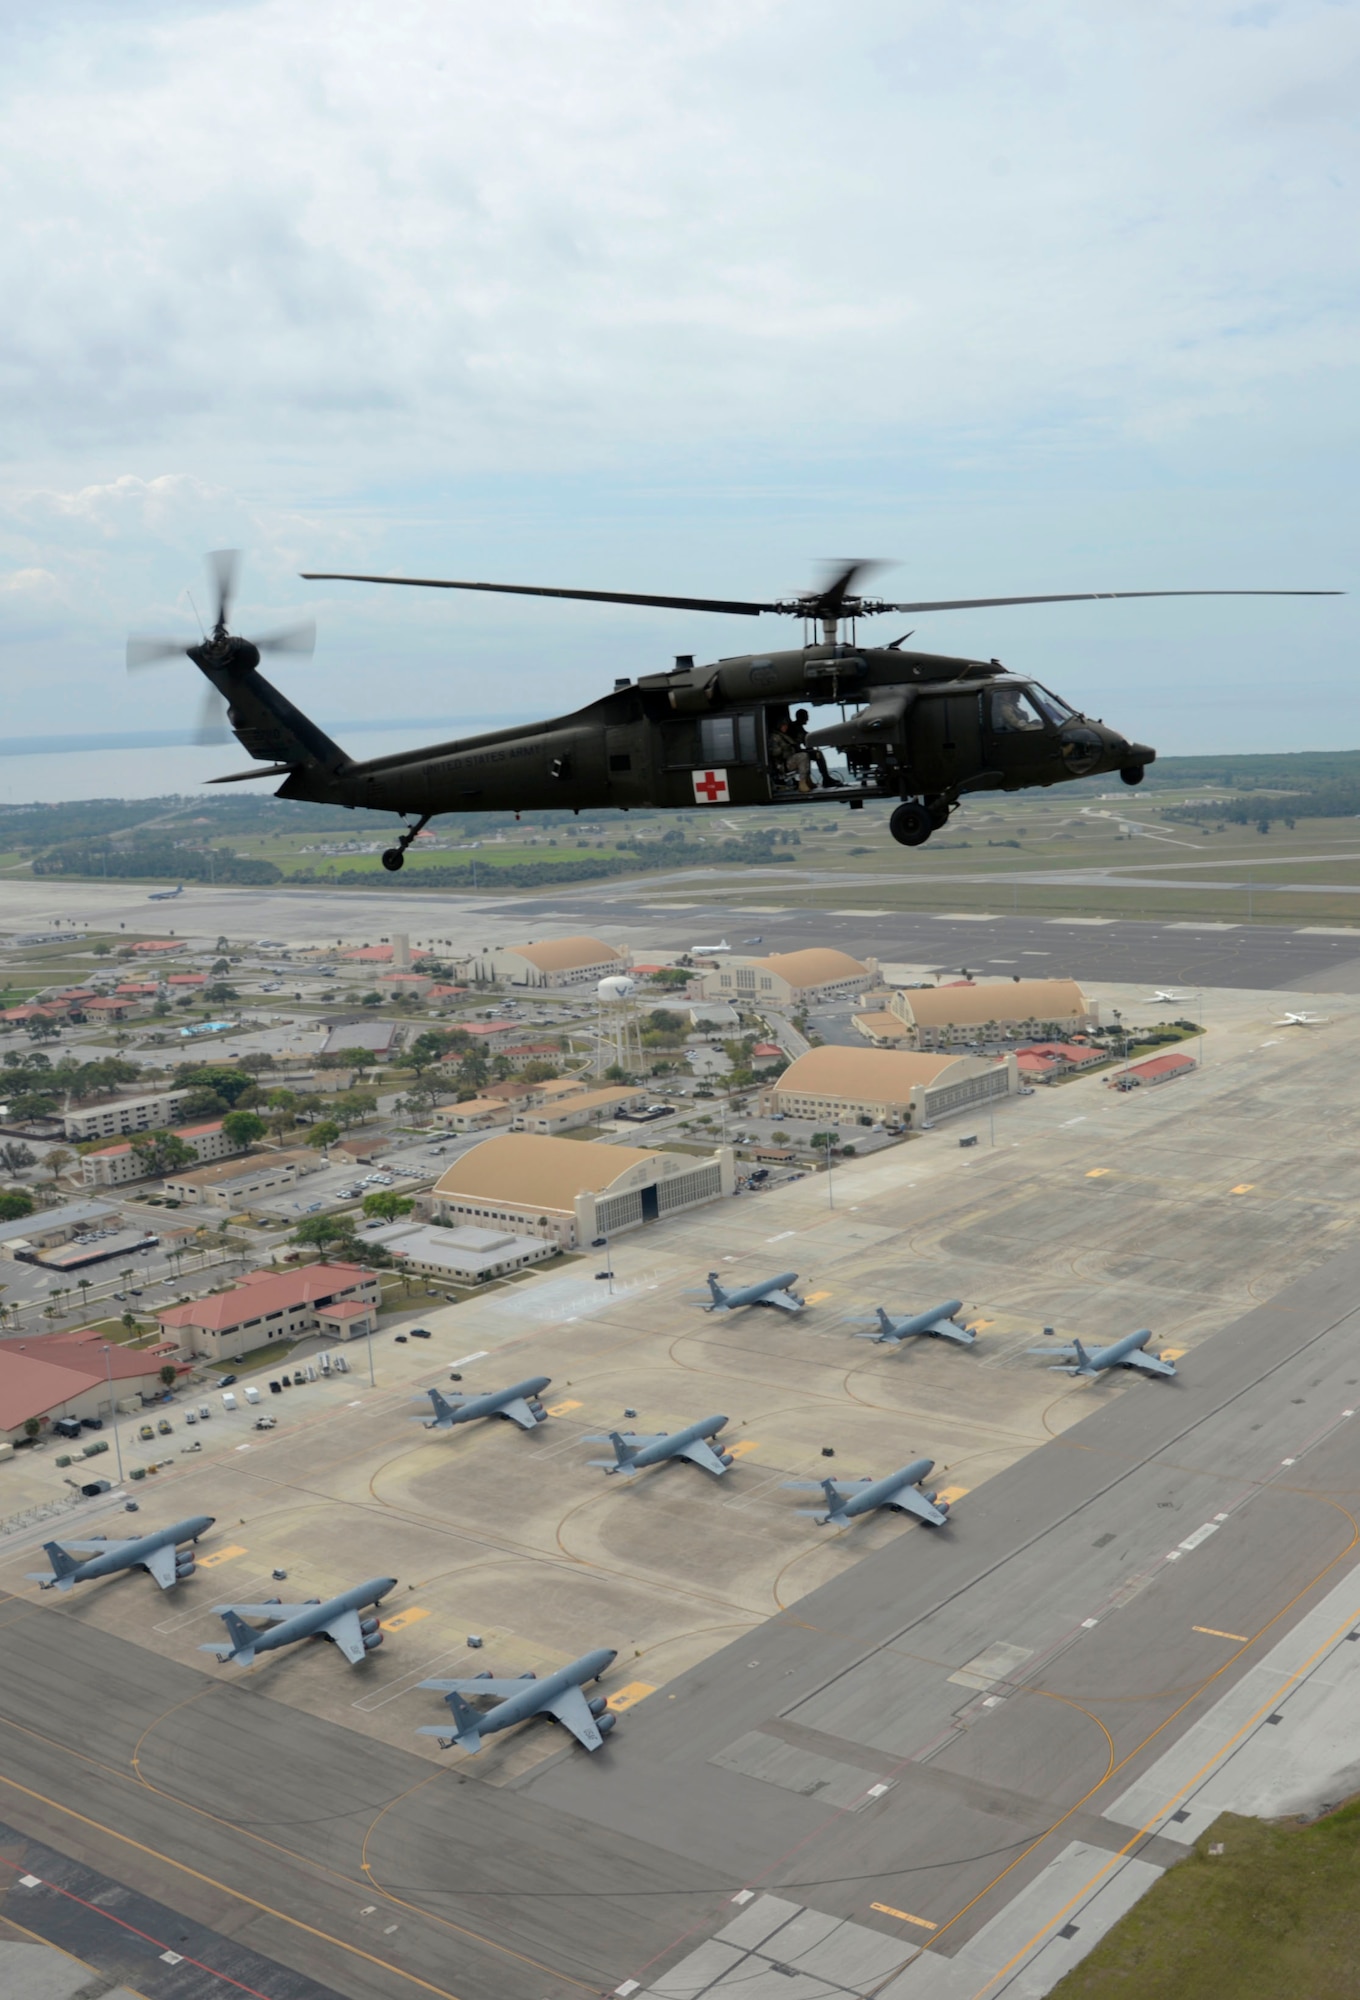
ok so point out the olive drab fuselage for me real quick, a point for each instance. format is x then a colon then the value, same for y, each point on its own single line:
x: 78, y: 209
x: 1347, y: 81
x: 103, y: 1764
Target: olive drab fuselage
x: 889, y: 724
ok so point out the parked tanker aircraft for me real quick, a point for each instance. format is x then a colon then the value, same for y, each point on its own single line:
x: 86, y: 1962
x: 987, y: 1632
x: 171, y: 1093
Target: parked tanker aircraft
x: 1125, y: 1353
x: 158, y: 1553
x: 338, y: 1619
x: 939, y: 1320
x: 559, y: 1696
x: 519, y: 1403
x: 764, y: 1292
x: 635, y: 1450
x: 847, y: 1498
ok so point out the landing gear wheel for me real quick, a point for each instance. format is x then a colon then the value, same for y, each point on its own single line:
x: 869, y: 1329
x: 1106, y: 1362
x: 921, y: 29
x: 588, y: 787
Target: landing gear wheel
x: 393, y: 859
x: 911, y: 823
x: 1132, y: 774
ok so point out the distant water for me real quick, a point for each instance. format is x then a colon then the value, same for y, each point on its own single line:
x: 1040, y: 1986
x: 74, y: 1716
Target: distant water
x: 50, y: 770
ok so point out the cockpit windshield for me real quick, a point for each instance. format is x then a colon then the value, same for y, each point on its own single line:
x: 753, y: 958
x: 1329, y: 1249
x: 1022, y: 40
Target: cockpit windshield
x: 1013, y: 709
x: 1048, y: 704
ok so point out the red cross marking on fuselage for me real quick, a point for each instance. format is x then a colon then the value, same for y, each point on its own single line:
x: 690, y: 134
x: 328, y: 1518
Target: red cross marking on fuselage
x: 710, y: 787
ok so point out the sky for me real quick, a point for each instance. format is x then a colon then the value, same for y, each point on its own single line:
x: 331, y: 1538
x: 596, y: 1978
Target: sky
x: 1013, y: 295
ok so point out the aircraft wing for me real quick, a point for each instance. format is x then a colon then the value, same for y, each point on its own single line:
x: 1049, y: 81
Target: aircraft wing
x: 275, y: 1613
x: 1150, y: 1363
x: 951, y: 1330
x: 701, y: 1452
x: 106, y: 1547
x: 909, y: 1500
x: 785, y: 1301
x: 345, y: 1631
x: 1062, y: 1353
x: 572, y: 1710
x: 160, y: 1564
x: 520, y: 1413
x: 502, y: 1690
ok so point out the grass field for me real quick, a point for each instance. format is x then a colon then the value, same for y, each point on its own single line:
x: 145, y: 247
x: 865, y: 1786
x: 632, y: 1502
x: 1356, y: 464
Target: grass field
x: 1275, y: 1916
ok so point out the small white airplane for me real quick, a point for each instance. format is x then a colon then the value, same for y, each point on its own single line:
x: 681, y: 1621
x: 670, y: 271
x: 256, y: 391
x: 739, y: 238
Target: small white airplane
x: 708, y: 950
x: 1152, y: 998
x: 1302, y: 1021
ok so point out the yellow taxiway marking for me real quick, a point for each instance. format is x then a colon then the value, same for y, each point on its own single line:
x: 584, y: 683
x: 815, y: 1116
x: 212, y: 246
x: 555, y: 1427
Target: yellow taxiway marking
x: 412, y: 1615
x: 1245, y: 1187
x: 980, y: 1325
x: 952, y: 1493
x: 560, y: 1409
x: 815, y: 1298
x: 741, y: 1446
x: 222, y: 1556
x: 629, y: 1696
x: 1210, y: 1633
x: 903, y: 1916
x: 1171, y: 1353
x: 1098, y: 1173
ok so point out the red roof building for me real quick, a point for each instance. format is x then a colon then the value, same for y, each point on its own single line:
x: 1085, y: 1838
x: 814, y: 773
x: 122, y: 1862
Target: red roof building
x: 1157, y: 1069
x: 68, y: 1375
x: 277, y: 1305
x: 370, y: 954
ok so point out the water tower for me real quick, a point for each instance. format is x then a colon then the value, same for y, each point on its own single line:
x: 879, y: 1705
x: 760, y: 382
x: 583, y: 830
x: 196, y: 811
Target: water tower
x: 618, y: 1038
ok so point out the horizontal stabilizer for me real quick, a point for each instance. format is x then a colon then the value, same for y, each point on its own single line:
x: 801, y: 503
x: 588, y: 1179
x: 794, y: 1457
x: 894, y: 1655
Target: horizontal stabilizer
x: 259, y: 771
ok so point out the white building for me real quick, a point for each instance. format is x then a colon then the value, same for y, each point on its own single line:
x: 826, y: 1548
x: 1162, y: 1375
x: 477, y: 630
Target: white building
x: 111, y: 1166
x: 463, y: 1256
x: 123, y: 1115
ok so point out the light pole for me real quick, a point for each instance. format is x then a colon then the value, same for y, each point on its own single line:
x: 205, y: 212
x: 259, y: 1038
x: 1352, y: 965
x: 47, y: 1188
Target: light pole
x: 602, y: 1243
x: 827, y: 1138
x: 113, y: 1409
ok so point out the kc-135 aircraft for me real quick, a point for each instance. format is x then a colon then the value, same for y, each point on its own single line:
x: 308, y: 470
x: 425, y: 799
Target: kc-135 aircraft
x: 519, y: 1403
x: 939, y: 1320
x: 847, y: 1498
x: 635, y: 1450
x: 764, y: 1292
x: 560, y: 1697
x: 158, y: 1553
x: 1125, y: 1353
x: 338, y: 1619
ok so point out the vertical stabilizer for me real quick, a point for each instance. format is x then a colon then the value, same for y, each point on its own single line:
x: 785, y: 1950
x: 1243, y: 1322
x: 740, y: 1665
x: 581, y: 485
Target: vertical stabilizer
x: 64, y: 1565
x: 623, y: 1453
x: 466, y: 1721
x: 718, y: 1294
x: 242, y: 1636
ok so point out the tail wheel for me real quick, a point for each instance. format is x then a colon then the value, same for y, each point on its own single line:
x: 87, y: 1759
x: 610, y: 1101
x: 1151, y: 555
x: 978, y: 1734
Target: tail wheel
x: 912, y: 823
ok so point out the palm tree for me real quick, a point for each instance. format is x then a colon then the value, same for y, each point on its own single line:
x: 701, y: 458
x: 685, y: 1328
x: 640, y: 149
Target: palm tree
x: 84, y: 1284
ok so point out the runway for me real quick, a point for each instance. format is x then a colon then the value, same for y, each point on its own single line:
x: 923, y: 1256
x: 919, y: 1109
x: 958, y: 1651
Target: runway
x: 1005, y: 1682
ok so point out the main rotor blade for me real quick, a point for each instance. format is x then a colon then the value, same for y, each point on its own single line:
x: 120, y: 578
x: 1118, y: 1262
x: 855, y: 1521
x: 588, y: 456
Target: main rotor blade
x: 149, y: 652
x: 224, y: 567
x: 733, y: 605
x: 1088, y: 596
x: 293, y: 639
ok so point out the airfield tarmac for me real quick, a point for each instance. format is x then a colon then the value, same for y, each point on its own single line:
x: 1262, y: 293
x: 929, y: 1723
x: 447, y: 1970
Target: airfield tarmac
x: 293, y: 1806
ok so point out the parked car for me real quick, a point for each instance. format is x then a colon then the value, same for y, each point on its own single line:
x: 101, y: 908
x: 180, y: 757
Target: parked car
x: 225, y: 1381
x: 421, y: 1333
x: 164, y: 1426
x: 266, y: 1423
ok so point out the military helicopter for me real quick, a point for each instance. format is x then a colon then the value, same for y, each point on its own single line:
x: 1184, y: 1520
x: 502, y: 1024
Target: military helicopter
x: 920, y: 728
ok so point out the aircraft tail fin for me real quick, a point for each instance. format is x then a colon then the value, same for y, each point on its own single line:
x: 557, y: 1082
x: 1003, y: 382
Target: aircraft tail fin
x: 1083, y: 1358
x: 719, y: 1296
x: 63, y: 1564
x: 441, y: 1406
x: 266, y: 724
x: 885, y: 1326
x: 623, y: 1455
x: 242, y: 1637
x: 466, y: 1721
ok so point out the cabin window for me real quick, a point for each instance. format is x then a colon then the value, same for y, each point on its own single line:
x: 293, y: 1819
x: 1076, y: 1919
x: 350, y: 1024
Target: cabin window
x: 727, y: 739
x: 620, y: 760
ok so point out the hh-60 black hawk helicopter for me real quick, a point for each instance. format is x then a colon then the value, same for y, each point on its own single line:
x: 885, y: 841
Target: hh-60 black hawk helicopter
x: 920, y: 728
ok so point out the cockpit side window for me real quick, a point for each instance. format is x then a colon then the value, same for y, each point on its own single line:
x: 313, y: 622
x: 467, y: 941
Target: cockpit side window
x: 1052, y: 706
x: 1013, y: 709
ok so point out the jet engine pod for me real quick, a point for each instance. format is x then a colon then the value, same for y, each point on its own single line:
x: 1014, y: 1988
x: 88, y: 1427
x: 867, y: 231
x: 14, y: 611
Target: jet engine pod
x: 367, y: 1625
x: 598, y: 1706
x: 605, y: 1723
x: 726, y: 1457
x: 372, y: 1641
